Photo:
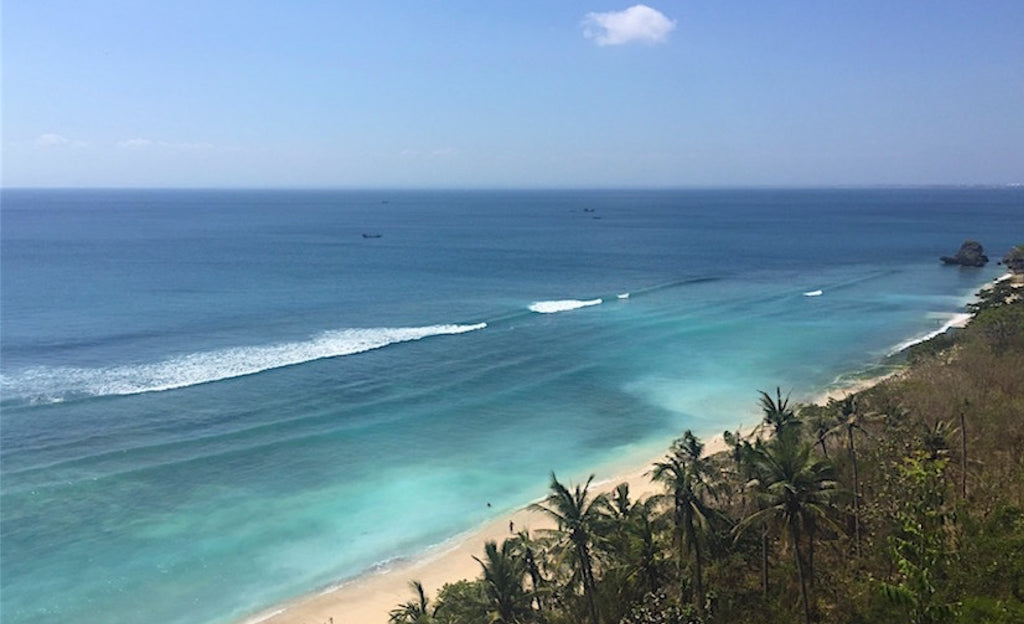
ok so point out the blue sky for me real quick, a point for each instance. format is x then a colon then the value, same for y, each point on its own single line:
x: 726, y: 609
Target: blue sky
x: 511, y: 94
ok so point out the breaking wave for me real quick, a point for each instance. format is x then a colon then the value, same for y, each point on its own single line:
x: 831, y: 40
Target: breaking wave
x: 958, y: 320
x: 564, y: 305
x: 46, y: 384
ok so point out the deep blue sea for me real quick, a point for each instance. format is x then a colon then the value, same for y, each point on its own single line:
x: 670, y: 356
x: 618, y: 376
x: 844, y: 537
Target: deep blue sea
x: 214, y: 401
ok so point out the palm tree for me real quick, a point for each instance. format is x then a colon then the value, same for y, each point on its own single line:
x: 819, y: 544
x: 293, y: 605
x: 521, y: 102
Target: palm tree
x: 935, y: 438
x: 507, y: 601
x: 963, y: 444
x: 526, y: 549
x: 684, y: 472
x: 777, y: 412
x: 415, y: 611
x: 740, y: 451
x: 799, y: 493
x: 822, y: 423
x: 648, y: 561
x: 850, y: 421
x: 630, y: 541
x: 577, y: 514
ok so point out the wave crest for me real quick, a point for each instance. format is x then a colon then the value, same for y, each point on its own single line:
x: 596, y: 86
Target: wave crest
x: 49, y: 384
x: 564, y: 305
x: 957, y: 320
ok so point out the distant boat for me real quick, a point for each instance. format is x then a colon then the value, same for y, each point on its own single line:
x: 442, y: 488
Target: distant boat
x: 365, y: 235
x: 813, y: 293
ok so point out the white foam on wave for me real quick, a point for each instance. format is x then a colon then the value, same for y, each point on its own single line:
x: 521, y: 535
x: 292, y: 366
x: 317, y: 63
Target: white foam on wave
x: 53, y: 383
x: 813, y: 293
x: 564, y: 305
x: 624, y: 296
x: 957, y: 320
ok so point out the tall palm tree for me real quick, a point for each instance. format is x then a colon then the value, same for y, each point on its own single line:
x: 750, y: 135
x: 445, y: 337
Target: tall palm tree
x: 684, y: 473
x: 630, y: 540
x: 821, y: 421
x: 963, y: 449
x: 740, y: 452
x: 777, y: 412
x: 508, y: 602
x: 416, y: 611
x: 799, y: 493
x: 577, y: 514
x: 526, y: 548
x: 648, y: 560
x: 850, y: 422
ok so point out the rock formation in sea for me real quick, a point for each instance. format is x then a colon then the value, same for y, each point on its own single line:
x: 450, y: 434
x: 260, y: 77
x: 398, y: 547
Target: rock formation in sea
x: 971, y: 254
x: 1014, y: 260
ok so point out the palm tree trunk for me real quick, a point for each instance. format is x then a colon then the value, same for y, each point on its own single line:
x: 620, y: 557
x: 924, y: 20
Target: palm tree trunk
x: 698, y: 596
x: 824, y: 451
x: 963, y: 455
x: 535, y: 578
x: 764, y: 558
x: 800, y: 573
x: 813, y: 529
x: 856, y: 491
x: 588, y: 582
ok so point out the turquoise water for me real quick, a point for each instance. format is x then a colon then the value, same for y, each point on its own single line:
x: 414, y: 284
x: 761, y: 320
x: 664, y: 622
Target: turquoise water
x: 216, y: 401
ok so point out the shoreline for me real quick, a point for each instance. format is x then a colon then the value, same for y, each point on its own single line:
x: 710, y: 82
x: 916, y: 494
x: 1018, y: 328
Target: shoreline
x: 369, y: 597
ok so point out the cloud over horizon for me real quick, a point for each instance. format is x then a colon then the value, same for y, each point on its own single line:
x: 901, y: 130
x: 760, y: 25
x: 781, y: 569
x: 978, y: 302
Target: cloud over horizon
x: 143, y: 143
x: 52, y: 139
x: 638, y: 23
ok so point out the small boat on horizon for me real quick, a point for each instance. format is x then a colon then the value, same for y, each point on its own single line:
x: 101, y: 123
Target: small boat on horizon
x: 366, y: 235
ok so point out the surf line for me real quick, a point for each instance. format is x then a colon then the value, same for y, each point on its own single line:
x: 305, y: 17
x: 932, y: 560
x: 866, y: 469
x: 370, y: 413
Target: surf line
x: 202, y: 367
x: 562, y: 305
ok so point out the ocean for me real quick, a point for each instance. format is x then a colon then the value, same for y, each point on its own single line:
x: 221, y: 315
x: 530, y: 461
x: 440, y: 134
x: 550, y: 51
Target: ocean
x: 215, y: 401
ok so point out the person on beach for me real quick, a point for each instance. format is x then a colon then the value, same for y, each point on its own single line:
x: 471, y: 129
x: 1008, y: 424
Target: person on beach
x: 511, y: 527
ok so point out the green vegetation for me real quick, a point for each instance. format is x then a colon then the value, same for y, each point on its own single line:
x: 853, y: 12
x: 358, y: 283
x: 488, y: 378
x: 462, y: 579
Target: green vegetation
x: 902, y: 503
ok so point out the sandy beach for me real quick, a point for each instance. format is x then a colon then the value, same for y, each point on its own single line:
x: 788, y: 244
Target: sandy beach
x: 368, y: 599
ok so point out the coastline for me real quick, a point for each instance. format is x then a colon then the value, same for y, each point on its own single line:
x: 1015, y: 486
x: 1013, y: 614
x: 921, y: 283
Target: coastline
x: 368, y: 598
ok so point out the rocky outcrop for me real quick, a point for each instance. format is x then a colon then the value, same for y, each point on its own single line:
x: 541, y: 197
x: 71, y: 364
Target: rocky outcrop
x: 971, y: 254
x: 1014, y: 260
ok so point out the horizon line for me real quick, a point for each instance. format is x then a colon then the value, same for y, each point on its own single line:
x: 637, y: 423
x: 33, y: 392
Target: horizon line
x: 508, y: 188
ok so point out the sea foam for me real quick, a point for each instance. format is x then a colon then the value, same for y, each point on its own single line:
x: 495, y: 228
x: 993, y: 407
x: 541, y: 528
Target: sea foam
x: 564, y: 305
x: 957, y: 320
x: 48, y: 384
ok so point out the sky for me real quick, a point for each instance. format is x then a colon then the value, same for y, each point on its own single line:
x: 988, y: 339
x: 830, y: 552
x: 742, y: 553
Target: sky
x: 511, y: 93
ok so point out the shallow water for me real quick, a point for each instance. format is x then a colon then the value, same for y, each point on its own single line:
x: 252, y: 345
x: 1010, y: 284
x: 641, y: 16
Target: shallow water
x: 214, y: 401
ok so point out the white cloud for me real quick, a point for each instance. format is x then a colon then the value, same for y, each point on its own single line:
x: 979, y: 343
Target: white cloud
x: 52, y: 139
x: 137, y: 143
x: 141, y: 143
x: 637, y: 23
x: 439, y: 152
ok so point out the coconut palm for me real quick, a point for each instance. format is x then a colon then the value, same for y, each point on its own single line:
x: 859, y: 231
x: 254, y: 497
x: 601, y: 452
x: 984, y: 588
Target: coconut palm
x: 741, y: 452
x: 822, y: 424
x: 850, y: 422
x: 527, y: 549
x: 416, y: 611
x: 577, y: 515
x: 777, y: 412
x: 684, y: 473
x: 647, y: 563
x: 798, y: 493
x: 508, y: 602
x: 935, y: 438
